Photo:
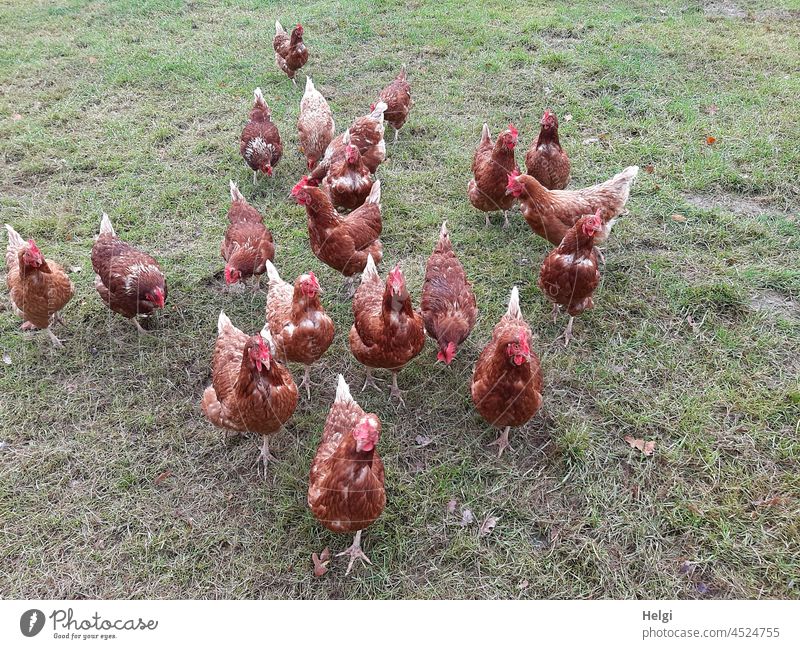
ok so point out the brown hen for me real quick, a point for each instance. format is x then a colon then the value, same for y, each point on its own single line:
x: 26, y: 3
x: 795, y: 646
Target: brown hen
x: 248, y: 244
x: 491, y: 165
x: 448, y: 303
x: 39, y: 287
x: 260, y: 144
x: 291, y: 53
x: 387, y: 332
x: 299, y: 325
x: 546, y: 160
x: 507, y: 382
x: 346, y: 485
x: 251, y: 391
x: 129, y: 281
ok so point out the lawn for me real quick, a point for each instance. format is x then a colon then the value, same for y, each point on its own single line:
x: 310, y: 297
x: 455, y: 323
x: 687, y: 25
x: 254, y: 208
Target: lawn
x: 112, y: 484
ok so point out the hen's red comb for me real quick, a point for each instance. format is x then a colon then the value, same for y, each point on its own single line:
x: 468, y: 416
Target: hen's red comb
x: 33, y: 248
x: 300, y: 185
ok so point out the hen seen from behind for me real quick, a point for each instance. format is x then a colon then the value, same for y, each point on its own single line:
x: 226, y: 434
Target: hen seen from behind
x: 315, y: 125
x: 397, y: 97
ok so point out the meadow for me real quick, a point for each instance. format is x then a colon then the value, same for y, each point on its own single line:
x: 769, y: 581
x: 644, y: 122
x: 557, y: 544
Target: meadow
x: 113, y: 485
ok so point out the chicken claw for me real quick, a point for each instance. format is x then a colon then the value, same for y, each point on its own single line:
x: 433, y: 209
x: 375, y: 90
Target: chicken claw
x: 567, y: 335
x: 371, y: 381
x: 27, y: 326
x: 354, y: 552
x: 502, y: 442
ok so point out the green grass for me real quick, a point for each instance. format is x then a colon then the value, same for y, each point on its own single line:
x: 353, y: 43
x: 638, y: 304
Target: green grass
x: 135, y: 108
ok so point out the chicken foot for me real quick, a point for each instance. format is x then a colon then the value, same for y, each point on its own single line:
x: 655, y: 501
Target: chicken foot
x: 371, y: 381
x: 354, y: 552
x: 139, y: 327
x: 502, y: 442
x: 567, y: 335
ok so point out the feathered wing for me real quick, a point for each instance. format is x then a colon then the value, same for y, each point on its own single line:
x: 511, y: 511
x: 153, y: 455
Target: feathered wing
x: 225, y: 366
x: 364, y: 224
x: 279, y: 302
x: 367, y: 305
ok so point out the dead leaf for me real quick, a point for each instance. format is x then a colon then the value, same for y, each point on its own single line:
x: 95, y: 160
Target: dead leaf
x: 451, y: 506
x: 680, y: 218
x: 6, y: 358
x: 75, y: 269
x: 179, y: 513
x: 16, y: 117
x: 649, y: 168
x: 567, y: 118
x: 422, y: 440
x: 711, y: 109
x: 769, y: 502
x: 321, y: 562
x: 467, y: 517
x: 523, y: 584
x: 710, y: 140
x: 645, y: 447
x: 591, y: 140
x: 488, y: 526
x: 92, y: 60
x: 162, y: 476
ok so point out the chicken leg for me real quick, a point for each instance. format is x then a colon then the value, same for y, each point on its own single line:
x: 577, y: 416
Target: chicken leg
x: 568, y: 331
x: 505, y: 216
x: 307, y: 381
x: 502, y: 442
x: 139, y: 327
x: 354, y: 552
x: 395, y: 389
x: 265, y: 457
x: 395, y: 136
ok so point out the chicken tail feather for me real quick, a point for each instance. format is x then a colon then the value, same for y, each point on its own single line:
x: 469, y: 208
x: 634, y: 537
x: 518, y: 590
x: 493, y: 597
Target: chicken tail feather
x: 222, y: 322
x: 15, y: 241
x: 375, y: 193
x: 272, y: 272
x: 513, y: 304
x: 370, y: 271
x: 343, y: 391
x: 236, y: 195
x: 279, y: 28
x: 380, y: 108
x: 106, y: 227
x: 485, y: 136
x: 309, y: 85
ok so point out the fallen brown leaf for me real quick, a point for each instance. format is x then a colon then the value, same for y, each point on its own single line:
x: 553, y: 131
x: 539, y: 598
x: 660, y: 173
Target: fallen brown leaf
x: 680, y: 218
x: 92, y: 60
x: 645, y: 447
x: 321, y: 562
x: 422, y: 440
x: 649, y: 168
x: 769, y: 502
x: 451, y: 506
x: 710, y: 140
x: 488, y: 526
x: 162, y: 476
x: 523, y: 584
x: 711, y: 109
